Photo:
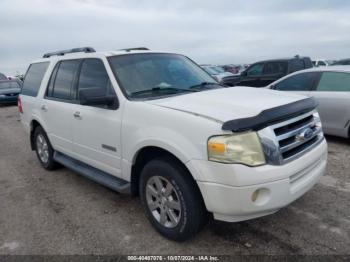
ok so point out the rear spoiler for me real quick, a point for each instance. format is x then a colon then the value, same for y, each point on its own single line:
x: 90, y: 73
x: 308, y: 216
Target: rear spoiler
x: 271, y: 116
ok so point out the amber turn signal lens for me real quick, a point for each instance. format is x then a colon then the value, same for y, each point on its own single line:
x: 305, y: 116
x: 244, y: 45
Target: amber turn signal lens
x: 216, y: 147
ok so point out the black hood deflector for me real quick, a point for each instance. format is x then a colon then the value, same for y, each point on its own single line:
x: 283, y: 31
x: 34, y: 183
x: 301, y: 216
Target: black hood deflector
x: 271, y: 116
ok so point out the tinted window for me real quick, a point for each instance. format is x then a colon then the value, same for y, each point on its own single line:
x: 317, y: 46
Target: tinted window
x: 275, y: 68
x: 33, y: 78
x: 93, y: 74
x: 9, y: 85
x: 334, y: 81
x: 321, y: 63
x: 299, y: 82
x: 256, y: 69
x: 65, y: 79
x: 342, y: 62
x: 49, y: 91
x: 296, y: 65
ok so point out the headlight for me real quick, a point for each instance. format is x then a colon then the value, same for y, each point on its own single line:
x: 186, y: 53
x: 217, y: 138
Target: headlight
x: 244, y: 148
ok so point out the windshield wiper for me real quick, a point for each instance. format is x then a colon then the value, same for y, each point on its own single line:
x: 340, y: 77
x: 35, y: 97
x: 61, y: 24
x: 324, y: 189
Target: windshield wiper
x: 204, y: 84
x: 161, y: 89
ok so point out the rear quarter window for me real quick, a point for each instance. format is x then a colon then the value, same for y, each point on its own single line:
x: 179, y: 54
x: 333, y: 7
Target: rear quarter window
x: 33, y: 78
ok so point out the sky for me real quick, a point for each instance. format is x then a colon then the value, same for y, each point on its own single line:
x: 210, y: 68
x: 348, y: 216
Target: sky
x: 216, y: 32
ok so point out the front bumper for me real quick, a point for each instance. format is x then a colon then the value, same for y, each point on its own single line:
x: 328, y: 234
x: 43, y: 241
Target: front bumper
x: 8, y: 99
x: 228, y: 190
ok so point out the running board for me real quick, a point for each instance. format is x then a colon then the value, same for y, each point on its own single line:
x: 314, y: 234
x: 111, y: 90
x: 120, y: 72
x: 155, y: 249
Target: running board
x: 93, y: 174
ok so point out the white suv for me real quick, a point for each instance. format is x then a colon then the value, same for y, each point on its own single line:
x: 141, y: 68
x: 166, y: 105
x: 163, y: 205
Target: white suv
x: 157, y: 125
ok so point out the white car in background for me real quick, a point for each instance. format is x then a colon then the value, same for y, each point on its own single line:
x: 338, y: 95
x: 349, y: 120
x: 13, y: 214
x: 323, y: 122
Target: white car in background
x: 330, y: 86
x: 217, y: 72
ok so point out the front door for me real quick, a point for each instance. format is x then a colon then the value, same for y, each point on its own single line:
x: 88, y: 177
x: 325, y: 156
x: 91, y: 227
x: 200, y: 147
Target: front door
x: 252, y: 76
x: 97, y: 137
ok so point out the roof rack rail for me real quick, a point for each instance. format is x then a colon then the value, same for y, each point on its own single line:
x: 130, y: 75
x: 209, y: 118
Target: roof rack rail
x: 133, y: 49
x: 68, y: 51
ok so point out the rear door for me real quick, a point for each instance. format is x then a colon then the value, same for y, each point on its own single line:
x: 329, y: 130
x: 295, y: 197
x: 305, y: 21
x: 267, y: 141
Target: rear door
x: 333, y: 95
x: 58, y: 104
x: 97, y: 137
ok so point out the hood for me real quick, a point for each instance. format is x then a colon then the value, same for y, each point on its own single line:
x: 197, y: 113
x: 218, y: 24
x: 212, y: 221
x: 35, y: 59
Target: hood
x: 226, y: 104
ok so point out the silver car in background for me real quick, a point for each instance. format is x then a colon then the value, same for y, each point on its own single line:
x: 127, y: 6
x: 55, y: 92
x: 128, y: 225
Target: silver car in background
x: 331, y: 88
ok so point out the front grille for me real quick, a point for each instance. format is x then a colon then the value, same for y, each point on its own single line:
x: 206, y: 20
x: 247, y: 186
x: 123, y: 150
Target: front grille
x: 288, y: 140
x: 297, y: 135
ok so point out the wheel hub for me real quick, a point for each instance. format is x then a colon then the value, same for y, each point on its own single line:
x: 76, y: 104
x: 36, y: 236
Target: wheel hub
x: 42, y: 148
x: 163, y: 201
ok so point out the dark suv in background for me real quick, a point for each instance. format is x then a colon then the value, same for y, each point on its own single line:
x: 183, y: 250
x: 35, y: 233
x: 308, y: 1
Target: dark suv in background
x: 263, y: 73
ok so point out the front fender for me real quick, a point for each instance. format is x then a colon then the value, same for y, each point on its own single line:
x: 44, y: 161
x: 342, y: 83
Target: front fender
x: 176, y: 144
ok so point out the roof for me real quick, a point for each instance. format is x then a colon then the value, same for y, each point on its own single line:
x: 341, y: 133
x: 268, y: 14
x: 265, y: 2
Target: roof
x: 78, y: 55
x: 281, y: 59
x: 336, y: 68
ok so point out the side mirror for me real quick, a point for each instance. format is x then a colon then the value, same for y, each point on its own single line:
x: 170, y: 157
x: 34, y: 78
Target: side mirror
x: 244, y: 73
x: 97, y: 96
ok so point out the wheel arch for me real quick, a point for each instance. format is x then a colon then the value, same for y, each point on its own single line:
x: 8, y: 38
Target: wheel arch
x: 34, y: 123
x: 146, y: 154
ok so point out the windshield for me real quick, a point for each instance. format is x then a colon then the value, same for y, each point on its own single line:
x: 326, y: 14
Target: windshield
x: 7, y: 85
x: 154, y: 75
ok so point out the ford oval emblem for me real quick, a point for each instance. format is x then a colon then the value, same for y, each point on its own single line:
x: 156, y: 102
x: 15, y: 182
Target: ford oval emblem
x: 305, y: 135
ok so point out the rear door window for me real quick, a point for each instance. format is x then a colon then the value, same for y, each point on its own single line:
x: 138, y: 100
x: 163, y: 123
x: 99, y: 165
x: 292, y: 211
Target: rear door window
x: 334, y: 82
x: 271, y: 68
x: 299, y: 82
x: 33, y: 78
x: 61, y: 83
x: 296, y: 65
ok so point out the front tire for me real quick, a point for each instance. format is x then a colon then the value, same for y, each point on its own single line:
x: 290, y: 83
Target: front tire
x: 171, y: 199
x: 43, y: 149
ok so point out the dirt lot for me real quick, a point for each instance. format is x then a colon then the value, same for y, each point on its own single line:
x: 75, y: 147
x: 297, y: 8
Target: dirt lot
x: 61, y: 212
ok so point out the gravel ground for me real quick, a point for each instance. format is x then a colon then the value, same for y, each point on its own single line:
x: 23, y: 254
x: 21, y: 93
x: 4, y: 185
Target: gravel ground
x: 61, y: 212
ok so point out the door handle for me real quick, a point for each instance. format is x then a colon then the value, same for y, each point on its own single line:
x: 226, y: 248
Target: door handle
x: 44, y: 108
x: 77, y: 115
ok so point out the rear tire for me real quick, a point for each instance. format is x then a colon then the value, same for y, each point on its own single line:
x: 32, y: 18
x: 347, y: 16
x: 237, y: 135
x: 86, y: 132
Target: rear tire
x: 43, y: 149
x: 171, y: 199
